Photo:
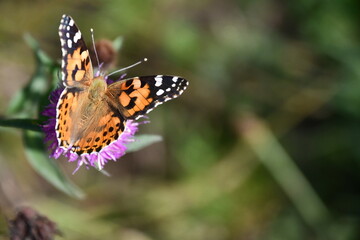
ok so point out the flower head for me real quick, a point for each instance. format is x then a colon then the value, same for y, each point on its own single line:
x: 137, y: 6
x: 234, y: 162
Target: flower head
x: 106, y: 52
x: 113, y: 151
x: 29, y: 224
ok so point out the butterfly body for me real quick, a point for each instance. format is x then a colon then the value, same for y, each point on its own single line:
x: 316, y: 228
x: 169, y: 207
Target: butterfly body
x: 97, y: 89
x: 91, y: 114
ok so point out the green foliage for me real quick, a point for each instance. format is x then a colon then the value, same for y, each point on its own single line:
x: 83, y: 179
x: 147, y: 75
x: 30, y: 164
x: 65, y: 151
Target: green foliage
x: 142, y: 141
x: 262, y: 145
x: 47, y: 167
x: 26, y: 124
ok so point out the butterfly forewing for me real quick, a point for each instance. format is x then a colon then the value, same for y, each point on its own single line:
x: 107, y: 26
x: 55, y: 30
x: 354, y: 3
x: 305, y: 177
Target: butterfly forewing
x: 76, y: 64
x: 138, y: 96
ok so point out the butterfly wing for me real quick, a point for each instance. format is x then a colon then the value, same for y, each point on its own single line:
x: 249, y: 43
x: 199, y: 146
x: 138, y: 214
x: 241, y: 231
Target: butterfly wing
x: 94, y: 126
x: 137, y: 96
x: 85, y: 127
x: 102, y: 132
x: 76, y: 64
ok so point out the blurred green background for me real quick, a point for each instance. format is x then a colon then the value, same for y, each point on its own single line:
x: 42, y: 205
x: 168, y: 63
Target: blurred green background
x: 264, y: 144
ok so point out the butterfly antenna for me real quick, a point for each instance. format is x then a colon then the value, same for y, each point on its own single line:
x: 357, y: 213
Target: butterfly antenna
x: 93, y: 41
x: 133, y: 65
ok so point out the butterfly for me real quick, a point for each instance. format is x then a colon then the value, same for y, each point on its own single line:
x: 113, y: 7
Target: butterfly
x: 91, y: 114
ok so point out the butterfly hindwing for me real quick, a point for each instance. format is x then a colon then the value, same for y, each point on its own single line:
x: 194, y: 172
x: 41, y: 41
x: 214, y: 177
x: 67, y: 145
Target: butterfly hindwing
x: 80, y: 132
x: 102, y: 133
x: 64, y: 122
x: 76, y: 64
x: 138, y: 96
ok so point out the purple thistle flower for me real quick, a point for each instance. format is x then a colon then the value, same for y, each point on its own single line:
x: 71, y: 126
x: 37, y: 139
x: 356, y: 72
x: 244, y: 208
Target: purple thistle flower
x: 113, y: 151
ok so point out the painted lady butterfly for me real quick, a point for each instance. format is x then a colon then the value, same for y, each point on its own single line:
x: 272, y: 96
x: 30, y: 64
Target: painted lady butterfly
x: 91, y: 114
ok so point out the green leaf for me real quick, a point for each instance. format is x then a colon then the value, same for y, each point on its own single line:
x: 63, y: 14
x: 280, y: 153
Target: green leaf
x: 142, y: 141
x: 40, y: 55
x: 25, y: 102
x: 46, y: 166
x: 26, y: 124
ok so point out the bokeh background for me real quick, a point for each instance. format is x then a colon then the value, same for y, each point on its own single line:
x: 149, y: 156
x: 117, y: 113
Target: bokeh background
x: 264, y: 144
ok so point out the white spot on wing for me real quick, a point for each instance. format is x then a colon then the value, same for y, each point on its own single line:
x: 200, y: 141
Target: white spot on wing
x: 148, y: 111
x: 159, y: 92
x: 158, y: 80
x: 175, y: 79
x: 77, y: 36
x: 69, y: 43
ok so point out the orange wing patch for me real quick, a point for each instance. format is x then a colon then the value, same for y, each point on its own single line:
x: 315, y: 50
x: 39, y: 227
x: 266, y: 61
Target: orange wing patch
x: 67, y: 102
x: 78, y: 67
